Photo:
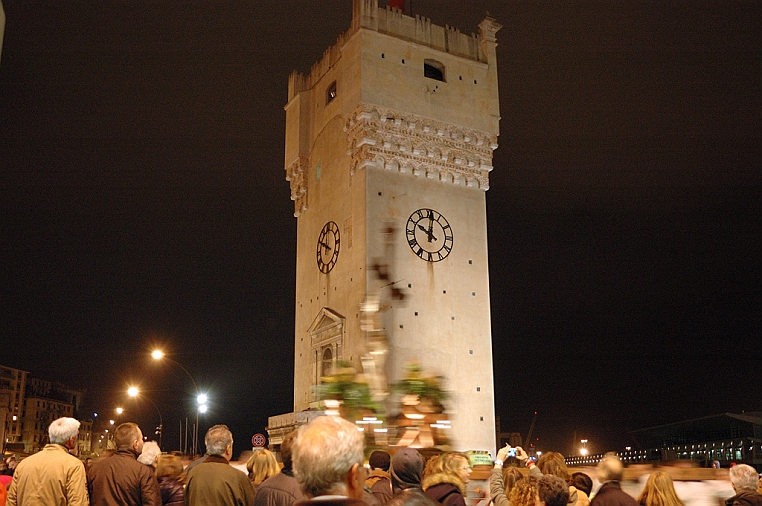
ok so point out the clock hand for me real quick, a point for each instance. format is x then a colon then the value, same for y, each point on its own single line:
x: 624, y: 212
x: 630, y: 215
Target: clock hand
x: 427, y: 232
x: 327, y: 248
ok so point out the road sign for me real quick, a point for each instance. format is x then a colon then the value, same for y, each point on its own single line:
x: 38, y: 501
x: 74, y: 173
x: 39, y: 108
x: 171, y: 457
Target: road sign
x: 258, y: 440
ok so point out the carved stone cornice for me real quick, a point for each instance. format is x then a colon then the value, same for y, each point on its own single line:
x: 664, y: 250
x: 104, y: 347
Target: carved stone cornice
x: 296, y: 174
x: 406, y: 143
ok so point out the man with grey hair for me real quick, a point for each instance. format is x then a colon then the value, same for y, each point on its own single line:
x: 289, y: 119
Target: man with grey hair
x: 120, y: 479
x: 744, y: 479
x: 328, y: 463
x: 52, y: 476
x: 215, y: 482
x: 610, y: 472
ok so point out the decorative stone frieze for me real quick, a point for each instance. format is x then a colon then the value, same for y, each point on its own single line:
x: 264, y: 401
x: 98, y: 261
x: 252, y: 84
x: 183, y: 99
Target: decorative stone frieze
x: 296, y: 174
x: 406, y: 143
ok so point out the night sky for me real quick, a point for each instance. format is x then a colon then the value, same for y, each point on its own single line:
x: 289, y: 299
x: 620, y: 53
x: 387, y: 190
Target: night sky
x: 143, y: 202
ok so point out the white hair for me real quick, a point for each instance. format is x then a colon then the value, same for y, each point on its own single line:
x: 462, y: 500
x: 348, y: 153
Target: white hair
x: 217, y: 439
x: 744, y: 477
x: 63, y: 429
x: 610, y: 468
x: 150, y: 451
x: 324, y: 452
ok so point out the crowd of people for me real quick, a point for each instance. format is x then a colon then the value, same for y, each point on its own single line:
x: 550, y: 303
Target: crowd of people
x: 322, y: 464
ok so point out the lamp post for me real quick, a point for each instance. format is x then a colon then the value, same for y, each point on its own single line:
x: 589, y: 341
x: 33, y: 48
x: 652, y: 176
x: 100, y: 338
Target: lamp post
x: 583, y: 451
x: 134, y: 392
x: 160, y: 355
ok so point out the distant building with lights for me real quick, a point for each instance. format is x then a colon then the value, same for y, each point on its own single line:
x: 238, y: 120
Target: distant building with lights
x: 27, y: 407
x: 726, y: 438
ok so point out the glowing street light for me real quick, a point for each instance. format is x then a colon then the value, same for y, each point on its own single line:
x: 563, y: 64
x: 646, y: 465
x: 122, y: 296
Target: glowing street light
x: 133, y: 392
x: 202, y: 408
x: 119, y: 411
x: 583, y: 451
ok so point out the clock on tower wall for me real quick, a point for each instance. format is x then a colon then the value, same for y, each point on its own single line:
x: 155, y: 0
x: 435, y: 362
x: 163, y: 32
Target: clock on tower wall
x: 328, y: 245
x: 429, y: 235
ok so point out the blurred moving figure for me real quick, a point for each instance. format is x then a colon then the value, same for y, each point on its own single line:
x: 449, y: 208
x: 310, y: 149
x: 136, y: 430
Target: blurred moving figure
x: 745, y: 481
x: 170, y: 475
x: 52, y: 475
x: 659, y: 491
x: 261, y: 465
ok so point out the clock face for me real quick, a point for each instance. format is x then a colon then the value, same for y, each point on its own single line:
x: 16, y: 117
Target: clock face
x: 328, y: 247
x: 429, y: 235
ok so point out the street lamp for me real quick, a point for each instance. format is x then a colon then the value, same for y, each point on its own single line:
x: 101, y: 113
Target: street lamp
x: 583, y: 451
x: 158, y: 354
x: 134, y: 392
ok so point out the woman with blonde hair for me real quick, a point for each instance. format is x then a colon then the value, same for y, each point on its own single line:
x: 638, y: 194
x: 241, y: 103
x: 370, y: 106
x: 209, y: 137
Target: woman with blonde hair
x: 446, y: 483
x: 524, y: 492
x: 659, y: 491
x: 261, y: 465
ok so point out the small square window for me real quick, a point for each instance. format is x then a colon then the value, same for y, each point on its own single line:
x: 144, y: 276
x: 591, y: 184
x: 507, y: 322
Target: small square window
x: 478, y: 389
x: 330, y: 93
x: 416, y: 313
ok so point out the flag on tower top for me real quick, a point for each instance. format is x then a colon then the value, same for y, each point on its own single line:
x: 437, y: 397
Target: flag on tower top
x: 397, y: 4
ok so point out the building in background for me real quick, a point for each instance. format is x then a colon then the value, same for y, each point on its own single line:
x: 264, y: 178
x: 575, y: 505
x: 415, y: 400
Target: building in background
x: 28, y: 405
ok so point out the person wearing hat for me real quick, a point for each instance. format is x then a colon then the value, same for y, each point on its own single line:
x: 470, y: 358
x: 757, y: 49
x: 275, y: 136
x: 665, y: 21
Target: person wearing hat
x: 379, y: 481
x: 406, y: 471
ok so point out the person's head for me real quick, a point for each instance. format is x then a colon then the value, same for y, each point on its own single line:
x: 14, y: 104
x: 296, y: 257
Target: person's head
x: 170, y: 466
x: 261, y: 465
x: 219, y: 441
x: 285, y: 450
x: 64, y: 431
x: 659, y: 491
x: 328, y: 458
x: 552, y: 491
x: 743, y: 477
x: 432, y: 465
x: 610, y: 468
x: 553, y: 463
x: 379, y: 460
x: 510, y: 476
x: 456, y: 464
x: 149, y: 454
x: 406, y: 469
x: 524, y: 492
x: 128, y: 436
x: 582, y: 482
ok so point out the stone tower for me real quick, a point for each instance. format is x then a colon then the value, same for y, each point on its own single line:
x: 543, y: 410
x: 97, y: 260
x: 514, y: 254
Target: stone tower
x: 389, y: 143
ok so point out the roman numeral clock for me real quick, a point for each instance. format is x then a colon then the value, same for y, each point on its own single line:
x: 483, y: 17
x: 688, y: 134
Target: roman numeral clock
x: 429, y: 235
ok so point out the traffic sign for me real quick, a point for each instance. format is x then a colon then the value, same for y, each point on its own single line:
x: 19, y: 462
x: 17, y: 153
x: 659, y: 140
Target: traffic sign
x: 258, y: 440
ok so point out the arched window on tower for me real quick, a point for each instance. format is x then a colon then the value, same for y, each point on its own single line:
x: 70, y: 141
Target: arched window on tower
x: 433, y: 70
x: 327, y: 362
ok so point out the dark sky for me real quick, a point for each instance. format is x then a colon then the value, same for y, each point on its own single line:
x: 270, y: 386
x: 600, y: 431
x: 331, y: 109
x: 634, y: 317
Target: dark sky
x: 143, y: 200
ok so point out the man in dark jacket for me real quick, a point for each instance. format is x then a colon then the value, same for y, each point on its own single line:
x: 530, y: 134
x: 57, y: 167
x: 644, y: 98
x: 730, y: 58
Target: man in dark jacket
x: 328, y: 463
x: 610, y: 471
x: 120, y: 480
x: 744, y: 479
x: 215, y: 482
x: 281, y: 489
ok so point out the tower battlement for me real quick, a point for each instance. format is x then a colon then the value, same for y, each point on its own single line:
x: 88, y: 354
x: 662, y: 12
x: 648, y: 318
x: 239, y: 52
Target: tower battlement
x: 420, y: 30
